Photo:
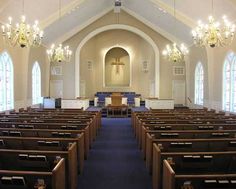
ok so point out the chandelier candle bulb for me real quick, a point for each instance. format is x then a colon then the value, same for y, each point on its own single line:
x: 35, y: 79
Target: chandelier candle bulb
x: 175, y: 54
x: 3, y: 29
x: 59, y: 54
x: 23, y: 34
x: 214, y: 34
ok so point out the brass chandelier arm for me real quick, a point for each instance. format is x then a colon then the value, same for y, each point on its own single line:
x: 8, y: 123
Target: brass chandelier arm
x: 214, y: 34
x: 173, y: 53
x: 59, y: 53
x: 23, y: 34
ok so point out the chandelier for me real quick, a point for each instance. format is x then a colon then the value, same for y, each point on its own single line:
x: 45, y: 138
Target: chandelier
x: 214, y: 34
x: 23, y: 34
x: 174, y: 53
x: 59, y: 54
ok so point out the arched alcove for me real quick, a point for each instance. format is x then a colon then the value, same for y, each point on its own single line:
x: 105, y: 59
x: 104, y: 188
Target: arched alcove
x: 117, y: 68
x: 100, y: 48
x: 143, y: 35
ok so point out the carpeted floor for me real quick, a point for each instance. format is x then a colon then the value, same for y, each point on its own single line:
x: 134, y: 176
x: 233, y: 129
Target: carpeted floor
x: 135, y: 109
x: 93, y: 108
x: 139, y: 109
x: 115, y: 161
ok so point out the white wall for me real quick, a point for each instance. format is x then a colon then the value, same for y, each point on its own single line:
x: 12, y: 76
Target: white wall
x: 213, y: 61
x: 96, y: 49
x: 23, y: 60
x: 165, y: 71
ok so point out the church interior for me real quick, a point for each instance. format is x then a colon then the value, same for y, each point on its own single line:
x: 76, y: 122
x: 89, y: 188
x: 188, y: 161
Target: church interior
x: 131, y: 94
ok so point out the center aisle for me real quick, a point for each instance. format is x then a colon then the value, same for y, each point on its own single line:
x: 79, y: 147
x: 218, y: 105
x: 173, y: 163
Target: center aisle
x: 115, y: 161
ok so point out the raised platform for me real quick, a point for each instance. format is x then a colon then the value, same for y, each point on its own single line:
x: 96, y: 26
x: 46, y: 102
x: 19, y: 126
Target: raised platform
x: 116, y: 113
x: 104, y: 110
x: 103, y: 98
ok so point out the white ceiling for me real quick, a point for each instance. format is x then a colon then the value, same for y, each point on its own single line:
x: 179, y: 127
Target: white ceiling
x: 76, y: 14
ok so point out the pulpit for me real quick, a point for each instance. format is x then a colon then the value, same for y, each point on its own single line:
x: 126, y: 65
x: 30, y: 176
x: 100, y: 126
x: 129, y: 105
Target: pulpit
x: 108, y: 100
x: 117, y: 108
x: 116, y: 99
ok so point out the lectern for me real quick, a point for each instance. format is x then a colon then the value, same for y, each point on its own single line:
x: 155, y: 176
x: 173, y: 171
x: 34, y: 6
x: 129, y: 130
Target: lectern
x: 116, y: 99
x: 116, y: 107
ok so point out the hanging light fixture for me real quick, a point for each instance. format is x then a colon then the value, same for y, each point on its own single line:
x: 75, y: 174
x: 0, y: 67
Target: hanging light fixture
x: 174, y: 53
x: 22, y: 34
x: 59, y: 53
x: 214, y: 34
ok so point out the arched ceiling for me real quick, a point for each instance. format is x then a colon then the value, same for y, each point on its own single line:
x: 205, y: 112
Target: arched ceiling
x: 77, y: 14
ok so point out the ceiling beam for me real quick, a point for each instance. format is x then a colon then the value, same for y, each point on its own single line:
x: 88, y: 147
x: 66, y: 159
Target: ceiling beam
x: 179, y: 15
x: 152, y: 26
x: 80, y: 27
x: 64, y: 10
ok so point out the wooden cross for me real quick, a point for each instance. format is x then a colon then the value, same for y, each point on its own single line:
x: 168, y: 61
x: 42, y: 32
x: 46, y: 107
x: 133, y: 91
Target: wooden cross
x: 117, y: 63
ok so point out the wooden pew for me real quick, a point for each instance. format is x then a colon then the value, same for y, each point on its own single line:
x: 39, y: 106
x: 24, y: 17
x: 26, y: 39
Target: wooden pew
x: 173, y: 180
x: 95, y: 116
x: 57, y: 126
x: 190, y: 145
x: 150, y: 114
x: 175, y: 158
x: 44, y: 122
x: 177, y: 122
x: 13, y: 179
x: 28, y: 131
x: 69, y: 155
x: 177, y: 128
x: 49, y: 144
x: 184, y: 134
x: 89, y: 122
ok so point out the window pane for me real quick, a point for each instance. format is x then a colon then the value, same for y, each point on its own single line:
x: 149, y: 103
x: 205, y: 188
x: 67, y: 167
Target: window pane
x: 36, y: 84
x: 199, y: 84
x: 6, y: 81
x: 229, y: 83
x: 234, y: 85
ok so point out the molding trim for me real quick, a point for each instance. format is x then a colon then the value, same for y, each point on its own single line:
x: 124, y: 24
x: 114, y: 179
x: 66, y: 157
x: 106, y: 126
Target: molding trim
x: 157, y: 29
x: 179, y: 15
x: 123, y: 27
x: 53, y: 17
x: 77, y: 29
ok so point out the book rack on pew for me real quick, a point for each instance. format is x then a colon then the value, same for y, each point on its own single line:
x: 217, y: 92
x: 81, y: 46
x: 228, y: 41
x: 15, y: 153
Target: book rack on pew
x: 188, y: 148
x: 45, y: 148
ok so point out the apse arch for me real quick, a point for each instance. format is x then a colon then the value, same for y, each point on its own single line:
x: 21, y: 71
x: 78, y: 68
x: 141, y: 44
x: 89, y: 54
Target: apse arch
x: 122, y: 27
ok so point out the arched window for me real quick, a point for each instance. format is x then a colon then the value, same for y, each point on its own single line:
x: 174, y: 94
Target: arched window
x: 6, y: 82
x: 199, y: 84
x: 36, y: 84
x: 229, y: 83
